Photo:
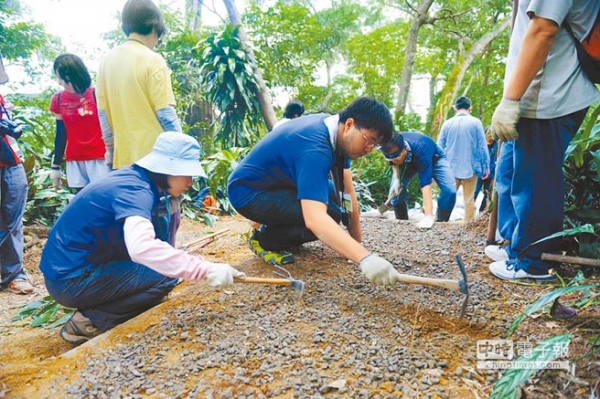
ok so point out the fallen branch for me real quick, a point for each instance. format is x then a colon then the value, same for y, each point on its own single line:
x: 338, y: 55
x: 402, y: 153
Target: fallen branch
x: 203, y: 240
x: 571, y: 259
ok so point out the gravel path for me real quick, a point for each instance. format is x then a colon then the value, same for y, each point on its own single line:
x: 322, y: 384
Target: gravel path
x: 344, y: 338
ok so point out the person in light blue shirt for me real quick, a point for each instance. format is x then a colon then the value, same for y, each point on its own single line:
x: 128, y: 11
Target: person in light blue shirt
x: 463, y: 140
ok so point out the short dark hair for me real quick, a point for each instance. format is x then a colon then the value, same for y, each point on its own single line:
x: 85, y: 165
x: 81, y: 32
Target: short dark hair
x: 370, y: 114
x: 393, y: 145
x: 142, y: 17
x: 71, y: 69
x: 293, y: 109
x: 160, y: 179
x: 463, y: 103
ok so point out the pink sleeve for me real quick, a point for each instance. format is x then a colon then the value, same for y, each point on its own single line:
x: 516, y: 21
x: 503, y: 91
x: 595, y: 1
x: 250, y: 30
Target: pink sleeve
x: 146, y: 249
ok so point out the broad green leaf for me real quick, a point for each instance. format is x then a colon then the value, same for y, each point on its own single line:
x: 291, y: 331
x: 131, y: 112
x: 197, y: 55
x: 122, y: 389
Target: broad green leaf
x: 62, y: 320
x: 46, y: 316
x: 507, y: 387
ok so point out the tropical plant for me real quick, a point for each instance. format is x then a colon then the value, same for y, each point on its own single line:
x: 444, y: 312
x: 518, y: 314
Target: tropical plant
x: 219, y: 166
x: 228, y: 79
x: 582, y: 199
x: 507, y: 387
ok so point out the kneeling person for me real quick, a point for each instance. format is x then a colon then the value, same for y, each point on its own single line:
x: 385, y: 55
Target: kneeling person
x: 284, y: 185
x: 411, y: 154
x: 109, y: 256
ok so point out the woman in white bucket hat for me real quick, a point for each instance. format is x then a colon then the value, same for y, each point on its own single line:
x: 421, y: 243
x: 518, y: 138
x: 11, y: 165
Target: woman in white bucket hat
x: 108, y: 255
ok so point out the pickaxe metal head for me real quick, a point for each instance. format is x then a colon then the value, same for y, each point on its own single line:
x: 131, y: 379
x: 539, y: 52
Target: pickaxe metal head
x: 463, y: 286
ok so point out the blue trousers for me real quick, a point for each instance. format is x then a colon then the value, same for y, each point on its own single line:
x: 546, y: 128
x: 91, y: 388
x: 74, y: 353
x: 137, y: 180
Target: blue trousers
x: 280, y: 213
x: 531, y: 186
x: 112, y: 293
x: 13, y: 198
x: 442, y: 175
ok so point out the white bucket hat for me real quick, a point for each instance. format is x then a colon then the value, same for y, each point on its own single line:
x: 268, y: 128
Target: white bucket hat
x: 174, y: 154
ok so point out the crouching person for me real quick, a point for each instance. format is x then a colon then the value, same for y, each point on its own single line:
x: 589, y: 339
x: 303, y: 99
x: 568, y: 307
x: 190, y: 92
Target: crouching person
x: 107, y: 256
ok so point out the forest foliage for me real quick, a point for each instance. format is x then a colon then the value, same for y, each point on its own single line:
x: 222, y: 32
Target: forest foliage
x: 323, y: 53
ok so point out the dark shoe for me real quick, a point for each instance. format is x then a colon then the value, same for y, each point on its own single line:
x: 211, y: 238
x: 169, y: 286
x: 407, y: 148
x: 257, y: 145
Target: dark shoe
x: 442, y: 215
x: 79, y: 329
x: 270, y: 257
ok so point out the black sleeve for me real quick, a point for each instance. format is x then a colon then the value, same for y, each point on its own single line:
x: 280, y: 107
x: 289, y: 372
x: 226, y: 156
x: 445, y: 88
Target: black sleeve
x: 60, y: 142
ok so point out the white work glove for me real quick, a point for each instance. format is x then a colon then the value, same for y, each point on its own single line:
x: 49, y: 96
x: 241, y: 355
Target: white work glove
x: 505, y: 119
x: 426, y: 222
x: 394, y: 188
x: 378, y: 270
x: 221, y: 275
x: 108, y: 158
x: 55, y: 176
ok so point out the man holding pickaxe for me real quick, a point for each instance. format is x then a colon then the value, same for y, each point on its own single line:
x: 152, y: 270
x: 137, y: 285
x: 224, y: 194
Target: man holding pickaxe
x: 284, y: 184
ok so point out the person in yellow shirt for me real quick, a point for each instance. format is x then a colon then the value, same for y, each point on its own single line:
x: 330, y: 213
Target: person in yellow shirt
x: 134, y: 93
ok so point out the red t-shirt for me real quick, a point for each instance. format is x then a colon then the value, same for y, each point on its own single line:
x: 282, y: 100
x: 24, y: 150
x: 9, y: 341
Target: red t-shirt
x: 80, y: 115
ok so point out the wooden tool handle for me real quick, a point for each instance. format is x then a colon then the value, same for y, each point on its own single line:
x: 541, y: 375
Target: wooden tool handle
x: 263, y: 280
x: 200, y: 240
x: 434, y: 282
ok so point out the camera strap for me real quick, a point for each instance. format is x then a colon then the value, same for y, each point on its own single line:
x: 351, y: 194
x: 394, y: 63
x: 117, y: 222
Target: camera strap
x: 337, y: 174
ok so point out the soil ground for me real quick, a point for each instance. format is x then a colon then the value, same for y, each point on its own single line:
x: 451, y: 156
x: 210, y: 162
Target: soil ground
x: 37, y: 363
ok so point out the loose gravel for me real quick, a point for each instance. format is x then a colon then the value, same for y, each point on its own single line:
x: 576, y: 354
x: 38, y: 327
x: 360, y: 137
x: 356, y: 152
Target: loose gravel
x: 343, y: 338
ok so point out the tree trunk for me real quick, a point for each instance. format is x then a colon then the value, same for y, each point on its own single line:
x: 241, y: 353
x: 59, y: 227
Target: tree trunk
x: 457, y: 75
x: 193, y: 11
x: 410, y: 54
x: 263, y: 96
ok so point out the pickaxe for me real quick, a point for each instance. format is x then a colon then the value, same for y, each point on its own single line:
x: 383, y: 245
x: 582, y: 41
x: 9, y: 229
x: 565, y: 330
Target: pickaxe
x: 454, y: 285
x: 285, y: 279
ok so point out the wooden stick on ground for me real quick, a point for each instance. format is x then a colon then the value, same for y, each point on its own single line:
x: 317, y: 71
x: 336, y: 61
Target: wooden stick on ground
x: 203, y: 240
x: 571, y: 259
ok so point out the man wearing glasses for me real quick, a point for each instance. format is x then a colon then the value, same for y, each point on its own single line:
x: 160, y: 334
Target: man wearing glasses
x: 284, y: 184
x: 413, y: 153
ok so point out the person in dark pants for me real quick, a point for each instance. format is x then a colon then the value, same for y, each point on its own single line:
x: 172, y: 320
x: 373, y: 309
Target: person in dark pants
x: 284, y: 184
x: 108, y: 255
x: 411, y: 154
x: 487, y: 183
x: 546, y: 96
x: 13, y: 198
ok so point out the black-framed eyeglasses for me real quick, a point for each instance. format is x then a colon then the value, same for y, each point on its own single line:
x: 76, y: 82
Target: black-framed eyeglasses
x: 370, y: 143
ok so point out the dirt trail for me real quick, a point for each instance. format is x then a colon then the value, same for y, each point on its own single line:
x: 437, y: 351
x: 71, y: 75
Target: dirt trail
x: 262, y: 341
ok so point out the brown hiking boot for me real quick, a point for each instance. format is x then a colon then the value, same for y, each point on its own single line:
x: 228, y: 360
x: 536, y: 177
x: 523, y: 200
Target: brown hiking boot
x: 79, y: 329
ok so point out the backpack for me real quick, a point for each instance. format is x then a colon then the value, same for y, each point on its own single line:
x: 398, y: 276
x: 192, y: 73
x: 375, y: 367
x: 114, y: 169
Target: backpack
x: 588, y: 50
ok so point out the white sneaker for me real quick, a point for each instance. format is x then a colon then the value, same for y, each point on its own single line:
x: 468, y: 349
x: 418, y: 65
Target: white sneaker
x: 496, y: 252
x: 506, y: 271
